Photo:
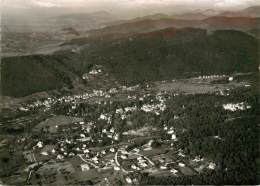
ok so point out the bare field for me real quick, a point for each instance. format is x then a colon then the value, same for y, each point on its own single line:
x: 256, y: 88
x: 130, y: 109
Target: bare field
x: 192, y: 86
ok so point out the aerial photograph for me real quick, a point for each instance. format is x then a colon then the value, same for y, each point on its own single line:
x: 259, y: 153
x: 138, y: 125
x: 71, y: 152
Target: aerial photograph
x: 129, y: 92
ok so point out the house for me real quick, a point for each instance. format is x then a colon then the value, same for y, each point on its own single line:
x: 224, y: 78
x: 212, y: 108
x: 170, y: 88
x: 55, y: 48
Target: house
x: 174, y: 171
x: 143, y: 164
x: 163, y: 167
x: 181, y: 164
x: 109, y: 136
x: 136, y: 150
x: 171, y: 131
x: 133, y: 166
x: 197, y: 159
x: 124, y: 157
x: 112, y: 150
x: 84, y: 167
x: 124, y: 152
x: 128, y: 180
x: 71, y: 154
x: 139, y: 158
x: 174, y: 137
x: 103, y: 152
x: 116, y: 137
x: 82, y: 135
x: 23, y: 109
x: 95, y: 158
x: 44, y: 153
x: 85, y: 139
x: 60, y: 157
x: 116, y: 168
x: 180, y: 153
x: 112, y: 130
x: 161, y: 160
x: 231, y: 78
x: 212, y: 166
x: 39, y: 145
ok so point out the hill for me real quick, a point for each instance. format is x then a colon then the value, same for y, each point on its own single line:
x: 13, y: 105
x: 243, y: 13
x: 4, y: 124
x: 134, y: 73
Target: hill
x: 253, y: 11
x: 191, y: 16
x: 237, y: 23
x: 160, y: 55
x: 142, y: 26
x: 149, y: 25
x: 170, y: 53
x: 25, y: 75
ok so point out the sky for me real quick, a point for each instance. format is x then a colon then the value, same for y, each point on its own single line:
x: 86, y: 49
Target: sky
x: 126, y: 7
x: 127, y: 3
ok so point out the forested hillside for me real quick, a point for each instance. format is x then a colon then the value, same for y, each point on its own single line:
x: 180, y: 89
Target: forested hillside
x: 171, y: 53
x: 159, y: 55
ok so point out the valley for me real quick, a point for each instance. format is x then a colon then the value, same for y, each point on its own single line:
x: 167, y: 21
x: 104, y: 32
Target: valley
x: 161, y: 99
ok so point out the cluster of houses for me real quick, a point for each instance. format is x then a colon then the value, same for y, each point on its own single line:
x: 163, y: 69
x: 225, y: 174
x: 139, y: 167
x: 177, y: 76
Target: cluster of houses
x: 97, y: 69
x: 210, y: 77
x: 225, y: 92
x: 156, y: 106
x: 83, y: 136
x: 112, y: 155
x: 73, y: 99
x: 236, y: 106
x: 67, y: 99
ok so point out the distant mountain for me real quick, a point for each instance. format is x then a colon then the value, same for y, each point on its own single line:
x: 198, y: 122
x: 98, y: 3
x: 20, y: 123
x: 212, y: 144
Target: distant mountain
x: 54, y: 20
x: 142, y: 26
x: 152, y: 17
x: 197, y: 14
x: 85, y: 21
x: 210, y: 12
x: 70, y: 31
x: 235, y: 23
x: 101, y: 16
x: 248, y: 12
x: 149, y: 25
x: 242, y: 20
x: 191, y: 16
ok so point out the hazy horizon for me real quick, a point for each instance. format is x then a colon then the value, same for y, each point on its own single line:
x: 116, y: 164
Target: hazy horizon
x: 124, y: 8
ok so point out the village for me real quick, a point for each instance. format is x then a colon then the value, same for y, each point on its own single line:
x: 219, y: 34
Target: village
x: 106, y: 136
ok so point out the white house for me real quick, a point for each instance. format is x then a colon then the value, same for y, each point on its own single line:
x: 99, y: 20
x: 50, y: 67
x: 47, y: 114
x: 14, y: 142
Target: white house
x: 84, y: 167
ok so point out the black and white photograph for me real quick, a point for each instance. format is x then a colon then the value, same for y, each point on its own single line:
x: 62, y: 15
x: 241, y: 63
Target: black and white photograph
x: 129, y: 92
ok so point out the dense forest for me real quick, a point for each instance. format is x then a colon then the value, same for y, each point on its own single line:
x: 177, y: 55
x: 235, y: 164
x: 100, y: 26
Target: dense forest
x: 26, y: 75
x: 235, y: 151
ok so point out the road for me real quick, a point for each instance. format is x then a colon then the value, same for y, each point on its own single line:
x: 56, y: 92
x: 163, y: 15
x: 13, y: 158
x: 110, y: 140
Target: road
x: 137, y: 154
x: 88, y: 162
